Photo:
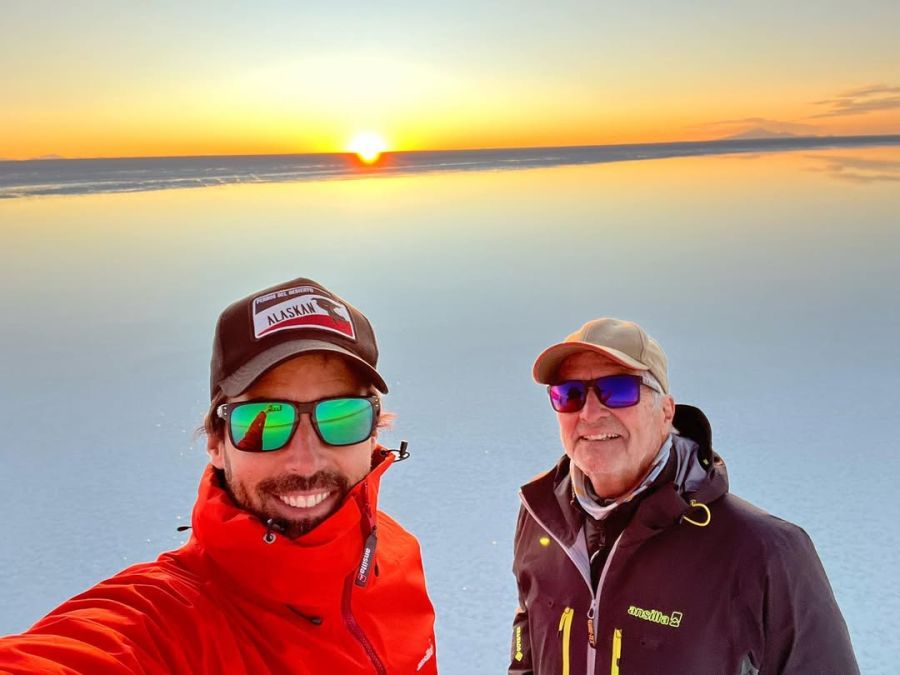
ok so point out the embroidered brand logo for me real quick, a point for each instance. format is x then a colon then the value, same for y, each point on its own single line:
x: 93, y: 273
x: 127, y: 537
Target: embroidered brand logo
x: 364, y: 566
x: 428, y: 654
x: 298, y: 308
x: 672, y: 620
x: 519, y: 655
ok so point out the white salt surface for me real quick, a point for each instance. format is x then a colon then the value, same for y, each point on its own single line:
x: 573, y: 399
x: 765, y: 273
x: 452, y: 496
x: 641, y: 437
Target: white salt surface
x: 771, y: 280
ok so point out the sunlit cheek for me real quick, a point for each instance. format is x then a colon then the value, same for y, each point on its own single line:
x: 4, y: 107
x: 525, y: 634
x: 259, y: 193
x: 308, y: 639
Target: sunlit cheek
x: 566, y: 433
x: 362, y: 460
x: 224, y: 462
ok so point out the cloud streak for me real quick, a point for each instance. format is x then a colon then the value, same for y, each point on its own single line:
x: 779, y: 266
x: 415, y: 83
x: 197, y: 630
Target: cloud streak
x: 859, y: 169
x: 861, y: 101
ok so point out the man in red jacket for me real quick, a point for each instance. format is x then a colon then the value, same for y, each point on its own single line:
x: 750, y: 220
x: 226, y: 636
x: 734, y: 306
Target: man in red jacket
x: 290, y: 567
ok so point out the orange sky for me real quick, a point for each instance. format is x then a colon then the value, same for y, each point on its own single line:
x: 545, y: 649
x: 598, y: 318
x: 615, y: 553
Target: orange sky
x: 153, y: 80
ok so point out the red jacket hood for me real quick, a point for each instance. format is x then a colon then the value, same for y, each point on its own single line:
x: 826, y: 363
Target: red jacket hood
x: 310, y: 569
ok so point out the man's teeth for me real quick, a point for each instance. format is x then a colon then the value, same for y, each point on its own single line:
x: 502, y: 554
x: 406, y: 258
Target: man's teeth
x: 600, y: 437
x: 304, y: 501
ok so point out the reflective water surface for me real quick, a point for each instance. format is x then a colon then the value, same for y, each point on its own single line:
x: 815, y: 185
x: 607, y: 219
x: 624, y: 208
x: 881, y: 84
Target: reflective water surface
x: 771, y: 280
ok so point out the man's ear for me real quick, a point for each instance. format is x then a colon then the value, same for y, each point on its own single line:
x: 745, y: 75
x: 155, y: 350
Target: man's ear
x: 215, y: 448
x: 668, y: 407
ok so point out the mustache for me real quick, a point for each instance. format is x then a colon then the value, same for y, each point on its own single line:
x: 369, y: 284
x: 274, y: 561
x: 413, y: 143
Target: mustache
x: 295, y: 483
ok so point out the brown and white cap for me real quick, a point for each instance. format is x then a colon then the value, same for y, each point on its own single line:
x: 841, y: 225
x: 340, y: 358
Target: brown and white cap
x: 624, y: 342
x: 266, y: 328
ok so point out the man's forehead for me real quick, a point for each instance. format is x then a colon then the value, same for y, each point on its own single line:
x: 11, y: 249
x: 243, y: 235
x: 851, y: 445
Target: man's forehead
x: 318, y: 368
x: 590, y: 361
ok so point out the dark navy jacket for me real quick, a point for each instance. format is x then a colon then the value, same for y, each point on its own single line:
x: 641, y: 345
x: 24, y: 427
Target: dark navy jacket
x: 699, y: 581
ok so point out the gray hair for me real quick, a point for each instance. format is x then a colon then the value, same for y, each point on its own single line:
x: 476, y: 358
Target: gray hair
x: 653, y: 383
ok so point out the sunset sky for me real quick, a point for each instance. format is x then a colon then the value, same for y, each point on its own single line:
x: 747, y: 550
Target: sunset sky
x: 158, y: 78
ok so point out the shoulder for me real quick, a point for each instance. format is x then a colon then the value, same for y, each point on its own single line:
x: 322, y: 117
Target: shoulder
x: 395, y: 539
x: 546, y: 481
x: 768, y: 536
x: 786, y: 588
x: 541, y: 495
x: 755, y: 520
x: 390, y: 527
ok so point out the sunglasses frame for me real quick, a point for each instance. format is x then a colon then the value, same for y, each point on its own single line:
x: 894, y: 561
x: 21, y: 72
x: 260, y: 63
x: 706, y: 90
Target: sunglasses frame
x: 225, y: 410
x: 592, y: 385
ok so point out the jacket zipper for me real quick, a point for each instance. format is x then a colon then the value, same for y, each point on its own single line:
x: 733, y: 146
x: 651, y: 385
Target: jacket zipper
x: 565, y: 627
x: 592, y: 643
x: 616, y: 652
x: 595, y: 607
x: 361, y: 578
x: 356, y: 631
x: 595, y: 597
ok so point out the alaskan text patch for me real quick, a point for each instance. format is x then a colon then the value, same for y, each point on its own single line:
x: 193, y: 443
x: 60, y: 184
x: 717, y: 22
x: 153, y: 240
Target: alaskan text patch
x: 302, y: 307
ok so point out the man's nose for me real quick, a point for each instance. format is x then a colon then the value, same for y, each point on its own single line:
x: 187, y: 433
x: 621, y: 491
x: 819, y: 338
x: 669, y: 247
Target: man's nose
x: 303, y: 454
x: 593, y: 408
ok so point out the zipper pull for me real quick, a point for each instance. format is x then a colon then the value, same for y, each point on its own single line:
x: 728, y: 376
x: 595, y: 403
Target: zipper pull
x: 368, y: 556
x: 592, y: 637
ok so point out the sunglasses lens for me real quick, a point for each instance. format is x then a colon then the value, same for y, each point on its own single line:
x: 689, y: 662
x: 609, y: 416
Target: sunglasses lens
x: 567, y: 397
x: 345, y: 421
x: 616, y: 391
x: 619, y: 391
x: 261, y: 427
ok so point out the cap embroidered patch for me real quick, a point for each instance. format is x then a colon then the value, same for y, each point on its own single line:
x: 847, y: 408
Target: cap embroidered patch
x: 300, y: 307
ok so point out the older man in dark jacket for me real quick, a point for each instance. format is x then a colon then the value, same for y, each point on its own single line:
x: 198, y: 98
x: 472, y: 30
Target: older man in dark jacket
x: 631, y: 556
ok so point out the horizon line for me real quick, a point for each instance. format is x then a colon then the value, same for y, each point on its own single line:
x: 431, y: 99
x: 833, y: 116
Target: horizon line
x: 776, y: 140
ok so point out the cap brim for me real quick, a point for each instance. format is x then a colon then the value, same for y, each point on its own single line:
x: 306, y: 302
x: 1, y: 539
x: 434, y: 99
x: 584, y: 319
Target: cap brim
x: 243, y: 377
x: 546, y: 365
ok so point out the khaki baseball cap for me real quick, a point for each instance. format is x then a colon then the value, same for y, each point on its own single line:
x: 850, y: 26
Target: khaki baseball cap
x: 624, y: 342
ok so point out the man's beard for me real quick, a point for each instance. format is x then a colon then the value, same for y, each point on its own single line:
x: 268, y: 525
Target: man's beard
x: 271, y: 487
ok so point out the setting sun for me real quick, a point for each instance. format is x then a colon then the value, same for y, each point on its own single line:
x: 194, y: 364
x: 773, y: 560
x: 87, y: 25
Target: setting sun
x: 368, y: 146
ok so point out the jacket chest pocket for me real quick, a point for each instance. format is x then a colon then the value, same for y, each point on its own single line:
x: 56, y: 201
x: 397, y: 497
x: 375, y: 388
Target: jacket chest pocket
x: 634, y: 649
x: 559, y: 639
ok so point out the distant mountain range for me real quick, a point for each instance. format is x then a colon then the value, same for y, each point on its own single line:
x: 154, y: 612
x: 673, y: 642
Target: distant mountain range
x: 761, y: 132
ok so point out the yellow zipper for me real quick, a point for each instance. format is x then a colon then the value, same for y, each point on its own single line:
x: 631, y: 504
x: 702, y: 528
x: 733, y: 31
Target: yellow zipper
x: 616, y: 651
x: 565, y: 627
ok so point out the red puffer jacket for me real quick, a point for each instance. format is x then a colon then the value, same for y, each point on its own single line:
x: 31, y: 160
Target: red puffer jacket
x: 230, y: 602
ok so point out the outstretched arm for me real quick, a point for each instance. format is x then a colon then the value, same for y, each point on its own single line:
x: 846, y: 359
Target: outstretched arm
x: 127, y: 624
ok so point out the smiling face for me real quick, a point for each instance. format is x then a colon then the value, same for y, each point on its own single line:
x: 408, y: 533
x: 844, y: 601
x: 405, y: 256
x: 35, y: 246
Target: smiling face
x: 303, y: 483
x: 613, y: 447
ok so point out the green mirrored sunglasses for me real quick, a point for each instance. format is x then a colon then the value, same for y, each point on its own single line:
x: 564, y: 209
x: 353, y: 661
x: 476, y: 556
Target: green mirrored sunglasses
x: 266, y: 426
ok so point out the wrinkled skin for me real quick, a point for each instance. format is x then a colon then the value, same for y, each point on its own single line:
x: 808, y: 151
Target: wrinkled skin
x: 615, y: 465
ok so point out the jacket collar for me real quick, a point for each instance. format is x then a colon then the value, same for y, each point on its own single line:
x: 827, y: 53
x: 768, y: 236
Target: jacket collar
x: 306, y: 572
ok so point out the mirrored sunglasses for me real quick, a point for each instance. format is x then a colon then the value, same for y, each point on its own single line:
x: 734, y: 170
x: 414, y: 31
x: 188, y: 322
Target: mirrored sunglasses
x: 266, y: 426
x: 613, y: 391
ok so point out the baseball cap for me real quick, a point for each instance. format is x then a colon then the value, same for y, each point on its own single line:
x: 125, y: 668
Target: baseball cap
x: 624, y: 342
x: 268, y: 327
